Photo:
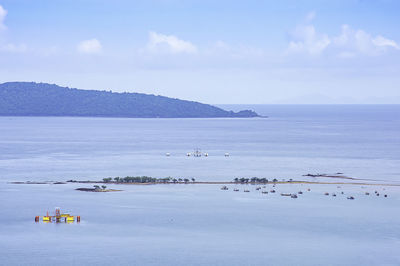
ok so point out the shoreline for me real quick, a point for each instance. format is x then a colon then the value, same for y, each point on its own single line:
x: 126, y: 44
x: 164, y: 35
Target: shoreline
x: 206, y: 183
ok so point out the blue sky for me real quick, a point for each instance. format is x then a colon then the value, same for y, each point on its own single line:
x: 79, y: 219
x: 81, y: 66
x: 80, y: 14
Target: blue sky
x: 210, y: 51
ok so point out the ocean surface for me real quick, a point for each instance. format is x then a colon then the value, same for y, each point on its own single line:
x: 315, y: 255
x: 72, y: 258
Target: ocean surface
x: 201, y: 224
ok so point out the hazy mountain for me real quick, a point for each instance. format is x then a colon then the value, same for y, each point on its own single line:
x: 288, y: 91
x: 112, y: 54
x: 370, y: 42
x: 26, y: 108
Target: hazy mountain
x: 42, y: 99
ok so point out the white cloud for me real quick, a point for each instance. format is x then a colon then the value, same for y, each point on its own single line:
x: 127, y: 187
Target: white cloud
x: 360, y: 42
x: 306, y: 39
x: 13, y: 48
x: 3, y: 14
x: 92, y: 46
x: 349, y: 43
x: 380, y: 41
x: 169, y: 43
x: 9, y: 47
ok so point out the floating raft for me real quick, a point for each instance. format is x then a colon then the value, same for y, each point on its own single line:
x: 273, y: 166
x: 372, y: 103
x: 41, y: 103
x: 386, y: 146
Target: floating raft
x: 58, y: 217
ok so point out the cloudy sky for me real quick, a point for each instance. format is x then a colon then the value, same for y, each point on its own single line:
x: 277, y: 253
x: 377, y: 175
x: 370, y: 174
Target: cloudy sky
x: 287, y: 51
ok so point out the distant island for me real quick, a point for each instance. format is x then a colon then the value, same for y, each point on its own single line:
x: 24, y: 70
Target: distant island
x: 43, y: 99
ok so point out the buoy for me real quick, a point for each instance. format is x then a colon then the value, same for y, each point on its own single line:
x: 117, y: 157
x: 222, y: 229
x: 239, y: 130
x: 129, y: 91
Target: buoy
x: 36, y: 218
x: 78, y: 219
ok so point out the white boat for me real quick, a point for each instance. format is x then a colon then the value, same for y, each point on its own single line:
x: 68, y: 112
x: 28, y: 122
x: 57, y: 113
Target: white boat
x: 197, y: 153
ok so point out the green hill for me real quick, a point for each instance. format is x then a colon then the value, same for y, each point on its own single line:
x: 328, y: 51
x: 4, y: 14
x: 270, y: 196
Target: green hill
x: 42, y: 99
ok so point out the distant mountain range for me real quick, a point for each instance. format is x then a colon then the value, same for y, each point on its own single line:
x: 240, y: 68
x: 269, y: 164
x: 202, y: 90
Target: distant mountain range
x: 42, y: 99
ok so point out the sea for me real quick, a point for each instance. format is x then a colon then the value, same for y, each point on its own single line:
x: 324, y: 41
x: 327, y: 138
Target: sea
x: 200, y: 224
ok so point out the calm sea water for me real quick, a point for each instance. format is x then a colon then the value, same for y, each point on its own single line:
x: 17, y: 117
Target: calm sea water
x: 200, y: 224
x: 360, y: 141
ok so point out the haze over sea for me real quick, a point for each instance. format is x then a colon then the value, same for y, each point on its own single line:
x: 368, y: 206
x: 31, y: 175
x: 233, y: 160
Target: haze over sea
x: 200, y: 224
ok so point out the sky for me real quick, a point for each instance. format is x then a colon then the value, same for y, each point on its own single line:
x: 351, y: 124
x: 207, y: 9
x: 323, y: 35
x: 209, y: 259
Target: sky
x: 219, y: 52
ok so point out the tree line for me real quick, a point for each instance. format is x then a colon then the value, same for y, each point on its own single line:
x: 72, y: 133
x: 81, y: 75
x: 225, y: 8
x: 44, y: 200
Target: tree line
x: 253, y: 180
x: 146, y: 179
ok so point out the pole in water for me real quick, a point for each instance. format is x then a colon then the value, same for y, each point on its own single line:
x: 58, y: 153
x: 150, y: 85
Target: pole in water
x: 78, y: 219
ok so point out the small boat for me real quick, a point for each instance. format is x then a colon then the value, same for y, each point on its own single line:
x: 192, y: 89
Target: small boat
x: 326, y: 194
x: 286, y: 194
x: 350, y: 198
x: 226, y: 154
x: 264, y: 192
x: 167, y: 154
x: 246, y: 190
x: 308, y: 189
x: 293, y: 196
x: 258, y: 188
x: 367, y: 193
x: 224, y: 188
x: 236, y: 189
x: 385, y: 196
x: 333, y: 195
x: 206, y: 154
x: 272, y: 191
x: 300, y: 192
x: 197, y: 153
x: 188, y: 154
x: 377, y: 194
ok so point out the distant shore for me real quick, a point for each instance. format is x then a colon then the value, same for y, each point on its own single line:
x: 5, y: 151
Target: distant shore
x: 206, y: 183
x: 235, y: 183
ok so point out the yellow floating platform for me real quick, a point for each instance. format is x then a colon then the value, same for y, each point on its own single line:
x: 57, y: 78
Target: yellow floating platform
x: 59, y: 217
